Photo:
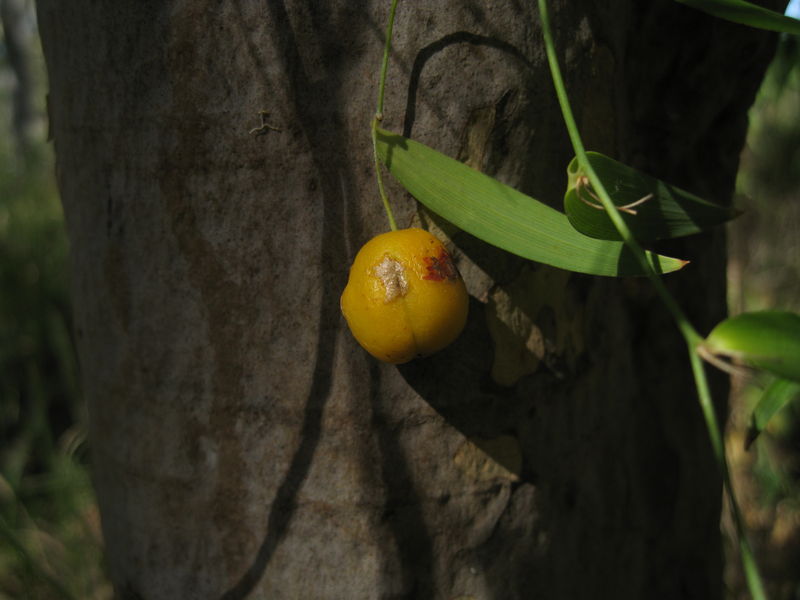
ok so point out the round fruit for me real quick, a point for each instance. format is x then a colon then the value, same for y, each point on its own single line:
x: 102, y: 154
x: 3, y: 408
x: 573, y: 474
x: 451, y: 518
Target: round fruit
x: 405, y: 297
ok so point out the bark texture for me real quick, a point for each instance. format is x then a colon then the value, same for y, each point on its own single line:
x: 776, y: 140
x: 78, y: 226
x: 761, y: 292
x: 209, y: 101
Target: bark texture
x: 243, y: 445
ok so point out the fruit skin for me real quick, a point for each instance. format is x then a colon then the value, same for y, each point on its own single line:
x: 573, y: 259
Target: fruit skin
x: 404, y: 297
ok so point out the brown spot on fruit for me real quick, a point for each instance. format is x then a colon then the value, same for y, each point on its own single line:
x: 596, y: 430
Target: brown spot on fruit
x: 440, y: 267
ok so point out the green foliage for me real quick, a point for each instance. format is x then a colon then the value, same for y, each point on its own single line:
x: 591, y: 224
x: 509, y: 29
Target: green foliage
x: 50, y: 535
x: 778, y: 394
x: 771, y: 164
x: 500, y: 215
x: 652, y: 209
x: 37, y: 364
x: 510, y: 220
x: 765, y: 264
x: 768, y: 340
x: 50, y: 543
x: 746, y: 13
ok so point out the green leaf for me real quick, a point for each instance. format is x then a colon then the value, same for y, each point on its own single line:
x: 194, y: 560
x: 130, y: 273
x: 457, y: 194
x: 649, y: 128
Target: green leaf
x: 779, y: 393
x: 652, y: 209
x: 746, y: 13
x: 502, y: 216
x: 768, y: 340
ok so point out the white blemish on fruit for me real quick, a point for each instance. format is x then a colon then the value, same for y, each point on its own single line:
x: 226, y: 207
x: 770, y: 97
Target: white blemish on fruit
x: 393, y: 276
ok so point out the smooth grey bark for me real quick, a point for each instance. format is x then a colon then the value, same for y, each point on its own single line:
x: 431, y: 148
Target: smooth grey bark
x: 243, y: 445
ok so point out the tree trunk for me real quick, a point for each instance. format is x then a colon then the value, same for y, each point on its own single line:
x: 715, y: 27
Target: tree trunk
x: 243, y: 445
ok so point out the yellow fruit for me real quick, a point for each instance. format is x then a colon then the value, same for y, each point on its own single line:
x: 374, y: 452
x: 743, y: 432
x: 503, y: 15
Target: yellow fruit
x: 405, y: 297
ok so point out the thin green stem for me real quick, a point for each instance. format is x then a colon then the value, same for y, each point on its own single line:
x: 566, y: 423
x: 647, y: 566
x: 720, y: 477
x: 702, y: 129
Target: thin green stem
x: 379, y: 116
x: 384, y: 198
x: 385, y: 63
x: 687, y: 330
x: 717, y: 443
x: 602, y: 194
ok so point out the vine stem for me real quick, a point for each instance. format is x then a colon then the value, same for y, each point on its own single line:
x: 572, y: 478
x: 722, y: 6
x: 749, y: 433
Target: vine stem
x: 692, y: 338
x: 379, y: 116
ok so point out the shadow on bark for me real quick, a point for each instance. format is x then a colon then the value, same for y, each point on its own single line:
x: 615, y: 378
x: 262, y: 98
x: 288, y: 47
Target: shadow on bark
x: 424, y: 55
x: 321, y: 132
x: 457, y: 383
x: 402, y: 510
x: 284, y: 504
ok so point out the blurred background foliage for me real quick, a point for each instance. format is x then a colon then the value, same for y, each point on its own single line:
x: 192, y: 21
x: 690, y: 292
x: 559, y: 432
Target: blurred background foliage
x: 50, y: 540
x: 764, y: 272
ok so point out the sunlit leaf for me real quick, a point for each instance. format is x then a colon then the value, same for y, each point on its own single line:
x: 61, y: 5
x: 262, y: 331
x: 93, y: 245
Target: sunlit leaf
x: 779, y: 393
x: 652, y: 209
x: 746, y: 13
x: 502, y: 216
x: 768, y: 340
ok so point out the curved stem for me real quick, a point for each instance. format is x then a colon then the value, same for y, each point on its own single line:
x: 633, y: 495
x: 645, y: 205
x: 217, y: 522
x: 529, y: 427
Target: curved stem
x: 379, y: 116
x: 689, y: 333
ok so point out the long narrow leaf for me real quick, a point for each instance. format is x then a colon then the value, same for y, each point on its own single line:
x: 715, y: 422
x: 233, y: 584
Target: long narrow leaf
x: 746, y: 13
x: 768, y: 340
x: 779, y: 393
x: 652, y: 209
x: 502, y: 216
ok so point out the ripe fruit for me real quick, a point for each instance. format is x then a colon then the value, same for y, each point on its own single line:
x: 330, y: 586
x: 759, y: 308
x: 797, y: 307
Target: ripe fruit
x: 405, y: 297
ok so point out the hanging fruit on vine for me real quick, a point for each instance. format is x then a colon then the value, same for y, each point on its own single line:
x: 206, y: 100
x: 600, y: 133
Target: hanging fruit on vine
x: 405, y: 297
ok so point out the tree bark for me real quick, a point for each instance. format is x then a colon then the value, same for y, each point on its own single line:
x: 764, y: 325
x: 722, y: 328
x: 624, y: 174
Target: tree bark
x: 243, y: 445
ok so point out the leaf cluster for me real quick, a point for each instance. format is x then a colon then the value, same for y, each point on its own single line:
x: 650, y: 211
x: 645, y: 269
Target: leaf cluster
x: 610, y: 210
